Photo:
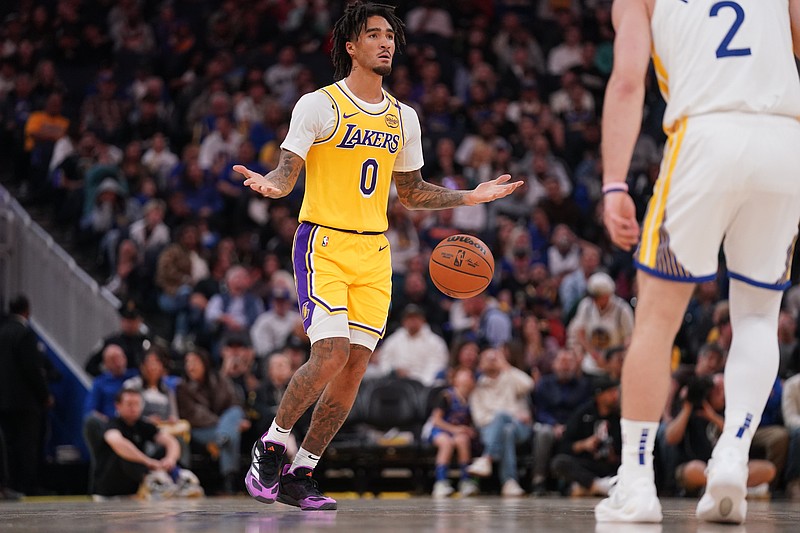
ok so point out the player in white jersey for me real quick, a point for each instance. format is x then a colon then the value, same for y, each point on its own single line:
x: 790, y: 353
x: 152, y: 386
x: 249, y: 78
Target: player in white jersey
x: 728, y: 176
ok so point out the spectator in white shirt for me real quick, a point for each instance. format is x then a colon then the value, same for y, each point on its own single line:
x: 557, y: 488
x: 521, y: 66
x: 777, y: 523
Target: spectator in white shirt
x: 273, y: 328
x: 159, y: 159
x: 501, y: 412
x: 567, y: 54
x: 413, y: 351
x: 564, y: 254
x: 149, y: 232
x: 281, y: 78
x: 223, y: 142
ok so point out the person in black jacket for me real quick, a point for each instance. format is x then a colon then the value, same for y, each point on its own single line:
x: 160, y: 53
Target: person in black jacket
x: 24, y: 396
x: 132, y: 337
x: 591, y: 443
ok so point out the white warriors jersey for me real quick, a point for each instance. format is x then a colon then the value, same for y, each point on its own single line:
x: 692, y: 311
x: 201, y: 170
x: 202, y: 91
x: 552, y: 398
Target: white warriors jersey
x: 714, y: 56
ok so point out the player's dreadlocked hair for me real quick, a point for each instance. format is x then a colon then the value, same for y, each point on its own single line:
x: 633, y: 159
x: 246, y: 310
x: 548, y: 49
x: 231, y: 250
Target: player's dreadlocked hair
x: 351, y: 24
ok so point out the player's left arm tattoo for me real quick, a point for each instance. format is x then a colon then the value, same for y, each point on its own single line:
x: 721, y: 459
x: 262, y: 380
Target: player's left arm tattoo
x: 416, y: 193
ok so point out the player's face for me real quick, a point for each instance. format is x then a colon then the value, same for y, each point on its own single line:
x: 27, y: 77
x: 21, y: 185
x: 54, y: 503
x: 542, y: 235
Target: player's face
x: 374, y: 48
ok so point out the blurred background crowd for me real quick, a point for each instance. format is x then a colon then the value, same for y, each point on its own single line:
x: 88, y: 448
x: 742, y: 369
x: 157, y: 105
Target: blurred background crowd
x: 121, y: 120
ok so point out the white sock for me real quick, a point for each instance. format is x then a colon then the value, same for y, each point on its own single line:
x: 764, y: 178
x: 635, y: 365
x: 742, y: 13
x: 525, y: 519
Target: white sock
x: 638, y: 442
x: 304, y: 458
x: 752, y: 364
x: 276, y: 434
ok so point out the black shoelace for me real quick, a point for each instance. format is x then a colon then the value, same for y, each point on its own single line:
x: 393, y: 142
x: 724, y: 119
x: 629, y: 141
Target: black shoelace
x: 265, y: 458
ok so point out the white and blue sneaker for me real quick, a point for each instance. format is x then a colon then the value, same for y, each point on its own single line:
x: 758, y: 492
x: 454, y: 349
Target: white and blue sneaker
x: 630, y: 501
x: 725, y: 499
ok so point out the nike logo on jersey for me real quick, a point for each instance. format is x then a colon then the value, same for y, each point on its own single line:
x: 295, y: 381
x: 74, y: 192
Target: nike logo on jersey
x: 346, y: 116
x: 382, y: 248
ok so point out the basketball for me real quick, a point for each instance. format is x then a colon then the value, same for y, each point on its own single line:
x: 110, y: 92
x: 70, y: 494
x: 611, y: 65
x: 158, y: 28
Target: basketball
x: 461, y: 266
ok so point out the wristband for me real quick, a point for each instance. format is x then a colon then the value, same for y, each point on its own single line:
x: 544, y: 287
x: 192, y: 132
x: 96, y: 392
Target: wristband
x: 615, y: 186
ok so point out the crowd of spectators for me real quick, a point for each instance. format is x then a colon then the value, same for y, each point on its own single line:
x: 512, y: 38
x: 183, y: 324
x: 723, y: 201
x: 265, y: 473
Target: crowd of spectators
x: 124, y: 119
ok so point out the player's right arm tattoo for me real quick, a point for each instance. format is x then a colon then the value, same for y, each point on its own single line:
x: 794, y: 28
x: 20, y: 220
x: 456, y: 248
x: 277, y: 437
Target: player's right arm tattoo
x: 416, y: 193
x: 285, y: 174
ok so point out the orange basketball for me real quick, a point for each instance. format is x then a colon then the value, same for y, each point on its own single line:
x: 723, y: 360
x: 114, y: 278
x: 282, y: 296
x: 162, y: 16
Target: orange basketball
x: 461, y: 266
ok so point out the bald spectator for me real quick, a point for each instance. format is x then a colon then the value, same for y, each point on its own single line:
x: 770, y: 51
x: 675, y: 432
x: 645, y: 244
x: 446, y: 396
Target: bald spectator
x: 100, y: 400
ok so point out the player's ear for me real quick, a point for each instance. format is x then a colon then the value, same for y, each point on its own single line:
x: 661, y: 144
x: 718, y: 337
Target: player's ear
x: 350, y: 46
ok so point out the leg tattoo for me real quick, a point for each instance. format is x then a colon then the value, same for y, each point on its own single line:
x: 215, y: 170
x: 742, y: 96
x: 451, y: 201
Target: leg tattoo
x: 336, y: 401
x: 328, y: 356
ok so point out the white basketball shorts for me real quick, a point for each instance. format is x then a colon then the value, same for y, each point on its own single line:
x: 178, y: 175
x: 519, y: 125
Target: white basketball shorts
x: 730, y: 179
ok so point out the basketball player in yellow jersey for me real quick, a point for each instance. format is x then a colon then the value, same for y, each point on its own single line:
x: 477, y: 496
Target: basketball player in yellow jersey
x: 354, y: 139
x: 729, y: 175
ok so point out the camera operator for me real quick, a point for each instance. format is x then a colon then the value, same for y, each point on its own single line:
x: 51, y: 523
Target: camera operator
x: 694, y: 431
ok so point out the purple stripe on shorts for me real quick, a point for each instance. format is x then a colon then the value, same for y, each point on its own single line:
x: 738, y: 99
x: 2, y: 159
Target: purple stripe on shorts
x: 302, y: 244
x: 376, y: 331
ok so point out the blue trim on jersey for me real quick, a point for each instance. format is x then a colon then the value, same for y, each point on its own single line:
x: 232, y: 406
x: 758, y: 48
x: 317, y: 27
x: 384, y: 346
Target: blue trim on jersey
x: 338, y: 119
x: 760, y: 284
x: 670, y: 277
x: 388, y: 102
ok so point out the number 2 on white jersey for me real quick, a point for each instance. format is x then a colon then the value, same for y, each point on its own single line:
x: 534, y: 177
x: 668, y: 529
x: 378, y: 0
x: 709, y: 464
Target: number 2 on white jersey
x: 724, y: 50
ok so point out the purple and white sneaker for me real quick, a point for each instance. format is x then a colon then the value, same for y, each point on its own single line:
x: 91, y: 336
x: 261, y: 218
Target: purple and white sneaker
x: 262, y: 478
x: 299, y: 488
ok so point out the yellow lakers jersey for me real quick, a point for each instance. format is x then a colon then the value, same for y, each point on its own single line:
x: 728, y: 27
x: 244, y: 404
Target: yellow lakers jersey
x: 349, y: 171
x: 715, y: 56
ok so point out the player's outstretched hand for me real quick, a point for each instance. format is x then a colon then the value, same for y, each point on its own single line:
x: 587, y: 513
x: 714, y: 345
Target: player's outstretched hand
x: 257, y: 182
x: 492, y: 190
x: 619, y: 215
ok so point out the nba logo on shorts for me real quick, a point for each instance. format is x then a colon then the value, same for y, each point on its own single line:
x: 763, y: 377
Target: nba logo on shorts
x: 304, y: 310
x: 325, y: 240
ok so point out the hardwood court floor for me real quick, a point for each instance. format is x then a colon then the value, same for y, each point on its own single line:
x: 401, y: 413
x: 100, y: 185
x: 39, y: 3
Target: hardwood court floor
x: 490, y: 514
